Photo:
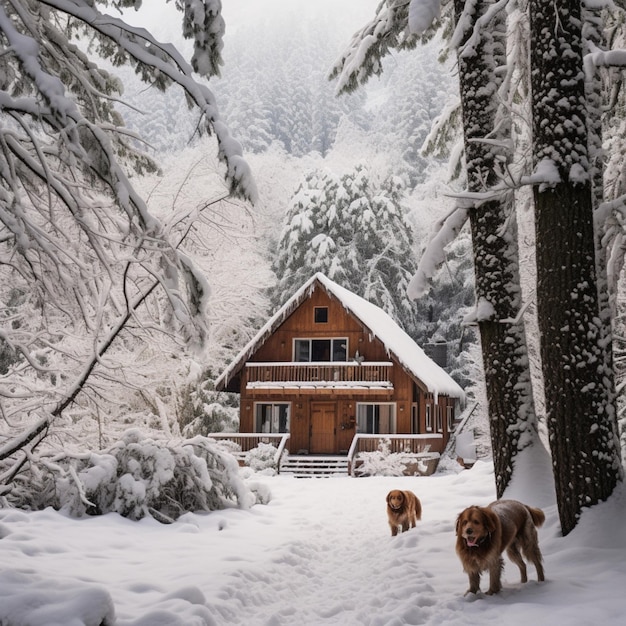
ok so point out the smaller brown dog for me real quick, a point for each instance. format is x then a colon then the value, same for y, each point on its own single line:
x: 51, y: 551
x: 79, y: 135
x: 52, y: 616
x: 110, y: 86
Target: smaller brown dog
x: 484, y: 533
x: 403, y: 510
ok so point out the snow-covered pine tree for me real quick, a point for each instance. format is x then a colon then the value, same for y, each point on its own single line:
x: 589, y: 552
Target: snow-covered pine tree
x: 356, y: 233
x: 487, y: 132
x: 383, y: 239
x: 443, y: 307
x: 419, y: 91
x: 264, y: 97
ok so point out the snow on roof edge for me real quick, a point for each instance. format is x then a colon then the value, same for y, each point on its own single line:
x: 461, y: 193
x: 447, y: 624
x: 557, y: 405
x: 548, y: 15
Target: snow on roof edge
x: 396, y: 341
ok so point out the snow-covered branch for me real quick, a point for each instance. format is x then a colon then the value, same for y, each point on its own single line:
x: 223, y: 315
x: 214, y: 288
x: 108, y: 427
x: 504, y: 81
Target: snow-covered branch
x: 398, y: 25
x: 434, y: 256
x: 468, y: 22
x: 83, y: 260
x: 165, y: 60
x: 603, y: 58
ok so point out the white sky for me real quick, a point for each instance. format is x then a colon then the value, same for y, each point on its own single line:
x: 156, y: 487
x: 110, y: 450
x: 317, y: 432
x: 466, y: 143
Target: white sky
x: 163, y: 20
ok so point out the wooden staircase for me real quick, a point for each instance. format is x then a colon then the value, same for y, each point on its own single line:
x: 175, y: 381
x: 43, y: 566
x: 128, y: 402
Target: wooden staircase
x: 314, y: 466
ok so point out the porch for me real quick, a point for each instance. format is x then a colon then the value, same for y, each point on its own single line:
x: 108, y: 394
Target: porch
x: 416, y: 447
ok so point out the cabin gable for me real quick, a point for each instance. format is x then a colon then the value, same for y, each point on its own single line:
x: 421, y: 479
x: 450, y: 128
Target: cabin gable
x: 301, y: 325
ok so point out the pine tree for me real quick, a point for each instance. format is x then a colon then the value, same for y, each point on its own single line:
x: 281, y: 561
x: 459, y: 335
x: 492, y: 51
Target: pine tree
x: 442, y: 309
x: 512, y: 418
x: 265, y: 98
x: 406, y: 118
x: 356, y: 234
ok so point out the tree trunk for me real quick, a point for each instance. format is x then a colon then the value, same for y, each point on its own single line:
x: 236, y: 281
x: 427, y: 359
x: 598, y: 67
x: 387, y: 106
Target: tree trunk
x: 512, y: 418
x: 578, y: 383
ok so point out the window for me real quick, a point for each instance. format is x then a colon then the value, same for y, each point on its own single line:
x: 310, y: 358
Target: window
x: 311, y: 350
x: 321, y: 314
x: 272, y: 418
x: 439, y: 414
x: 429, y: 417
x: 415, y: 420
x: 450, y: 417
x: 376, y: 419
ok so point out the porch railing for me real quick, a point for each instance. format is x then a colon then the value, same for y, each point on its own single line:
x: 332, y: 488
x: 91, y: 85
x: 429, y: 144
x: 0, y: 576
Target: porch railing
x: 418, y: 445
x: 323, y: 372
x: 249, y: 441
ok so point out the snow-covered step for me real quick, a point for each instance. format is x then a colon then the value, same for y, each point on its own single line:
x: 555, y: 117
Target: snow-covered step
x: 315, y: 466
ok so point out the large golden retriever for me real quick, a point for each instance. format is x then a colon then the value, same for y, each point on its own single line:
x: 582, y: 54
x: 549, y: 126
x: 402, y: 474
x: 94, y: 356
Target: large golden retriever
x: 403, y: 510
x: 484, y: 533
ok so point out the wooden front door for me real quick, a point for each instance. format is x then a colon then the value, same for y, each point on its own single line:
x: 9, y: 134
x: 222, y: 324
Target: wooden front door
x: 323, y: 439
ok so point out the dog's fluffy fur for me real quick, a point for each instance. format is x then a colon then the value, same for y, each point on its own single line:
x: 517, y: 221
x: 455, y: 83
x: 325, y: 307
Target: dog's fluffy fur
x: 484, y: 533
x: 403, y: 510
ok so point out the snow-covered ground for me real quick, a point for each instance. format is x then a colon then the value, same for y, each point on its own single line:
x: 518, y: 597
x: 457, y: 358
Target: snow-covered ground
x: 319, y: 553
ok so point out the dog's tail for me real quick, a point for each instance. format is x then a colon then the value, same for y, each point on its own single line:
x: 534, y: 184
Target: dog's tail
x: 537, y: 514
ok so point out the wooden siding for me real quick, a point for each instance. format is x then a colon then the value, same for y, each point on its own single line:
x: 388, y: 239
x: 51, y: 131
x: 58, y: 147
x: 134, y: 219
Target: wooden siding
x: 323, y: 396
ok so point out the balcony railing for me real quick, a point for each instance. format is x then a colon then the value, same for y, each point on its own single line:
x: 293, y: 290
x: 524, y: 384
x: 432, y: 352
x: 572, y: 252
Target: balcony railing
x: 322, y: 374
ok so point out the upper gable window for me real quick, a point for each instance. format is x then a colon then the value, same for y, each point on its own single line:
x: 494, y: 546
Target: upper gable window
x: 308, y: 350
x: 321, y: 314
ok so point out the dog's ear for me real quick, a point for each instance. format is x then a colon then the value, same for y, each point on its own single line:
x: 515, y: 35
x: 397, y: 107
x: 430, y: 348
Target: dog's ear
x: 490, y: 520
x: 458, y: 522
x: 388, y: 496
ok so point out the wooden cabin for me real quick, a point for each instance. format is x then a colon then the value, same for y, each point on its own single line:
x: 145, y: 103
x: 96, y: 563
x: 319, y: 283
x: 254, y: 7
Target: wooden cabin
x: 329, y: 365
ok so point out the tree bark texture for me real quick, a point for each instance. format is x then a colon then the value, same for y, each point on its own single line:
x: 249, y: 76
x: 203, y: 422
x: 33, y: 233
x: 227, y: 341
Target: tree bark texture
x: 594, y: 35
x: 512, y: 418
x: 578, y: 383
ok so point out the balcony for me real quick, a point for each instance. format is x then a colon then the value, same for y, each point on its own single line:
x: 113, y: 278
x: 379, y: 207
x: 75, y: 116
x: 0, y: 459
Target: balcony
x: 335, y: 376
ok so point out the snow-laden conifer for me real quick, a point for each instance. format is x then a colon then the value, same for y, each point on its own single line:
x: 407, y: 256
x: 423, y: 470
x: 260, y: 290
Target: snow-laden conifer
x: 479, y: 38
x: 355, y: 231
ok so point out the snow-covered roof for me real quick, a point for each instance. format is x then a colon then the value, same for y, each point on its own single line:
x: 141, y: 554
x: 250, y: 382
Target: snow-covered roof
x: 397, y: 342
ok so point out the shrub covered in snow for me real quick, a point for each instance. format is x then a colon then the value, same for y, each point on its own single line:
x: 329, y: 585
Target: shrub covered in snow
x: 377, y: 464
x: 383, y: 462
x: 135, y: 477
x: 202, y: 410
x: 262, y: 458
x: 232, y: 447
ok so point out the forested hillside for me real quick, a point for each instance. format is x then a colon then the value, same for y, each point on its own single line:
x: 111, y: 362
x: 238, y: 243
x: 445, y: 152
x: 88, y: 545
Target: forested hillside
x: 275, y: 94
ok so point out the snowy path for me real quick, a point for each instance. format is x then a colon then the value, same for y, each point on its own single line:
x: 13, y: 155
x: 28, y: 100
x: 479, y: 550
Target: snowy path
x: 320, y: 553
x: 339, y: 568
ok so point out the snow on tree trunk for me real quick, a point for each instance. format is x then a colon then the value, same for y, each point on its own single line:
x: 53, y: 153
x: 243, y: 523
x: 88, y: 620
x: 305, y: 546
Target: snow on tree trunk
x: 512, y: 416
x: 594, y: 38
x: 578, y: 384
